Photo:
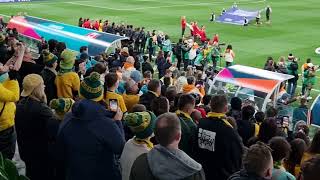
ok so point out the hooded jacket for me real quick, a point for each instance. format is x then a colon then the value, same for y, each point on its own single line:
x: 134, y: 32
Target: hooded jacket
x: 243, y: 175
x: 166, y: 164
x: 88, y: 142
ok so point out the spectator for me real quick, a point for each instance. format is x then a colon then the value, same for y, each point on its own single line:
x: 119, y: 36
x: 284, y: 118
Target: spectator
x: 9, y: 95
x: 259, y: 117
x: 67, y: 81
x: 138, y: 108
x: 171, y: 94
x: 147, y: 76
x: 292, y: 163
x: 301, y: 112
x: 292, y: 67
x: 257, y: 164
x: 92, y: 154
x: 206, y: 103
x: 186, y: 106
x: 269, y: 65
x: 218, y: 146
x: 235, y: 111
x: 181, y: 81
x: 229, y: 55
x: 142, y: 125
x: 166, y: 46
x: 146, y: 65
x: 154, y: 90
x: 190, y: 88
x: 314, y: 148
x: 166, y: 160
x: 310, y: 169
x: 280, y: 150
x: 131, y: 97
x: 246, y: 126
x: 49, y: 74
x: 166, y: 84
x: 160, y: 105
x: 61, y: 106
x: 33, y: 115
x: 268, y: 129
x: 162, y: 64
x: 128, y: 66
x: 281, y: 66
x: 111, y: 84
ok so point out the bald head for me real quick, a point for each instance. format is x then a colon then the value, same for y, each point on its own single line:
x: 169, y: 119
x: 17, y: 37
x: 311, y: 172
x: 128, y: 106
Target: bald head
x: 167, y: 129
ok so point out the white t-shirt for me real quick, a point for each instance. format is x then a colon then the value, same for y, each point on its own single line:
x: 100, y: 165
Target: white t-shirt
x: 229, y: 56
x: 129, y: 154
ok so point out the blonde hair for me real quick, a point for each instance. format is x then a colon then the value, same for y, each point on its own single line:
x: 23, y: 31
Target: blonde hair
x: 38, y: 94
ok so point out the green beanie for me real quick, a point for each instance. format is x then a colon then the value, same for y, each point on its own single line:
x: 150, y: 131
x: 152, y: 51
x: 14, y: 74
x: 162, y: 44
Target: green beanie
x: 67, y: 59
x: 49, y: 58
x: 61, y: 105
x: 91, y: 87
x: 141, y: 123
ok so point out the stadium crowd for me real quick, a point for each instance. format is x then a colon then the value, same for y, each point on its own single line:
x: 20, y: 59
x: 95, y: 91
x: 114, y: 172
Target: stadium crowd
x: 111, y: 117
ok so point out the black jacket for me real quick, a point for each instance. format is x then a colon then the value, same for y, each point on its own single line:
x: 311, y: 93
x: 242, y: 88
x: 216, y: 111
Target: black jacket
x: 50, y: 89
x: 243, y: 175
x: 36, y: 128
x: 218, y: 148
x: 146, y: 99
x: 246, y: 130
x: 146, y: 66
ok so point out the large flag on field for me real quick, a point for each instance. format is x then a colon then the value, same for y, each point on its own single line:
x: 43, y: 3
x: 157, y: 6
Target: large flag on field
x: 236, y: 16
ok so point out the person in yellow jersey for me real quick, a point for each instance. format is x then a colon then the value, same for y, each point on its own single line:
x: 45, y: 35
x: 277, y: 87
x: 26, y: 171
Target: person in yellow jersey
x: 111, y: 84
x: 67, y: 81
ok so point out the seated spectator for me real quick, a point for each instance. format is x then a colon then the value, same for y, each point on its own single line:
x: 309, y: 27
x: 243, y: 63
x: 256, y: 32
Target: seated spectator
x: 166, y: 159
x: 92, y: 154
x: 314, y: 148
x: 280, y: 150
x: 49, y: 74
x: 142, y: 125
x: 160, y: 105
x: 111, y: 84
x: 292, y: 163
x: 61, y: 106
x: 190, y: 88
x: 186, y: 106
x: 310, y: 169
x: 67, y: 81
x: 246, y: 126
x: 218, y: 145
x: 36, y: 128
x: 131, y: 96
x: 235, y: 111
x: 154, y: 90
x: 257, y: 164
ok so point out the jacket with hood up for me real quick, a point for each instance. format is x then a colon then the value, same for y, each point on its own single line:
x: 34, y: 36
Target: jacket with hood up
x: 89, y: 141
x: 244, y: 175
x: 166, y: 164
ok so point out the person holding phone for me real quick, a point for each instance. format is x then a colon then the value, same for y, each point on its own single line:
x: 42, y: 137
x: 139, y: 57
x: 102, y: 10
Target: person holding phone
x: 90, y: 137
x: 113, y: 99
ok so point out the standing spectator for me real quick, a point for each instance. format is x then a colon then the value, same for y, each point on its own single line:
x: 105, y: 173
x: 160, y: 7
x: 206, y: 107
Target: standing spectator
x: 9, y: 95
x: 246, y: 126
x: 111, y: 84
x: 67, y: 81
x: 178, y: 53
x: 215, y: 56
x: 181, y: 81
x: 128, y: 67
x: 166, y: 46
x: 185, y: 48
x: 183, y: 25
x: 292, y: 67
x: 80, y: 22
x: 269, y: 65
x: 49, y: 74
x: 190, y: 88
x: 142, y: 125
x: 268, y: 129
x: 235, y: 111
x: 218, y: 146
x: 92, y: 154
x: 292, y: 163
x: 166, y: 160
x: 257, y: 164
x: 280, y: 150
x: 154, y: 90
x: 146, y: 65
x: 162, y: 64
x: 281, y: 66
x: 229, y: 56
x: 314, y: 148
x: 131, y: 97
x: 186, y: 106
x: 36, y: 128
x: 310, y: 169
x: 160, y: 105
